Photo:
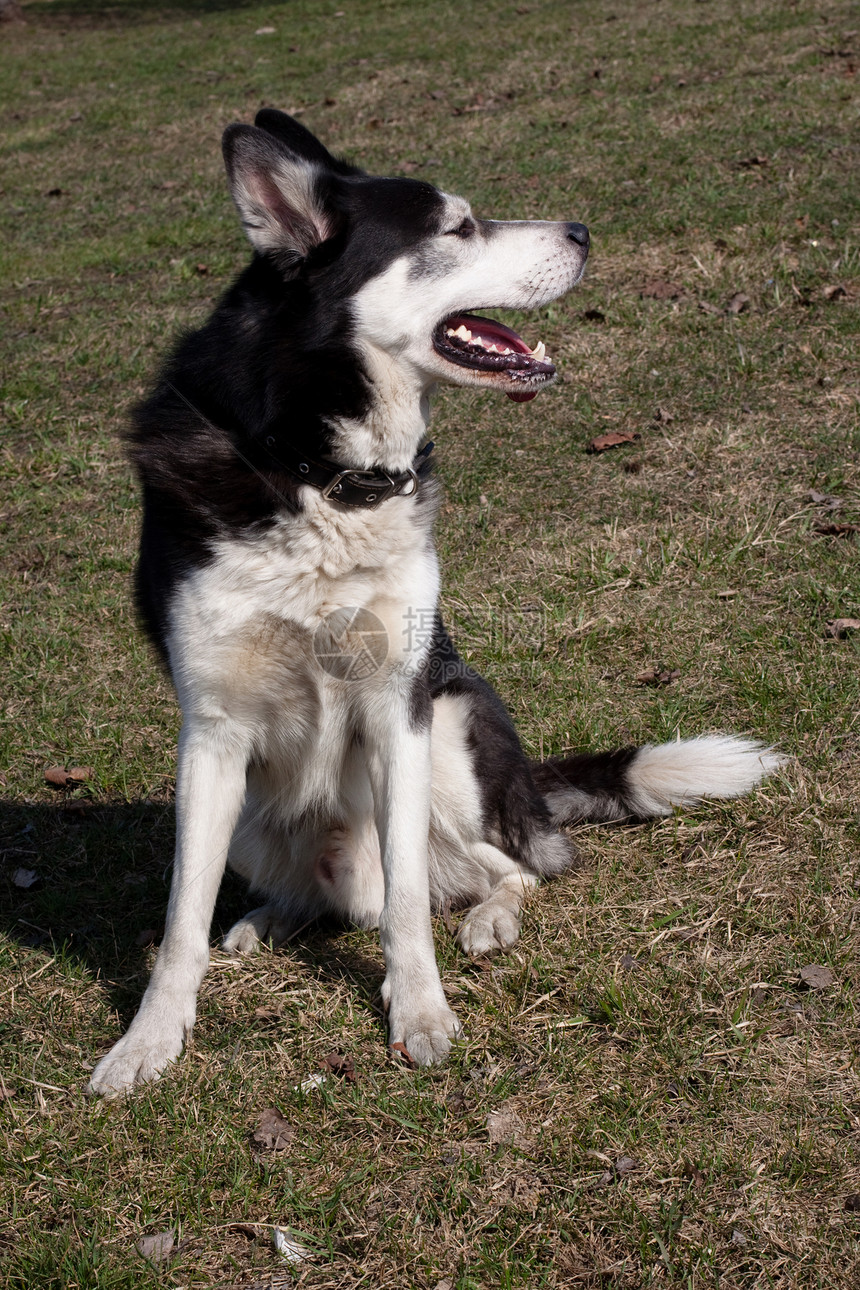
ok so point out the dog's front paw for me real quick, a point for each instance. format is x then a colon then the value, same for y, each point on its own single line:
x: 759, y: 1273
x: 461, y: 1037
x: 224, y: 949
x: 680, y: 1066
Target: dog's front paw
x: 138, y: 1058
x: 489, y: 928
x: 425, y: 1030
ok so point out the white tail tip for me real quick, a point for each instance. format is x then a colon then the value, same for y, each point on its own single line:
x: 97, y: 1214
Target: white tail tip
x: 682, y: 773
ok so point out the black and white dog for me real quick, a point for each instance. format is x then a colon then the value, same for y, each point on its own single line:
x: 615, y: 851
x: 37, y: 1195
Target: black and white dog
x: 337, y: 758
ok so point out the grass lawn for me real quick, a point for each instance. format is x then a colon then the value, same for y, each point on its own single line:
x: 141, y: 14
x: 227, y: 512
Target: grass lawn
x: 649, y: 1092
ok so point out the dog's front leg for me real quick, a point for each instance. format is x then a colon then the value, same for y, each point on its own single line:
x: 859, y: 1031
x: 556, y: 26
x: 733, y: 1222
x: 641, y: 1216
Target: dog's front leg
x: 210, y: 790
x: 418, y: 1014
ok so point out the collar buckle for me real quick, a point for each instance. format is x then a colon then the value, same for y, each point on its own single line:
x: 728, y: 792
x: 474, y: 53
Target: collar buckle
x: 379, y: 494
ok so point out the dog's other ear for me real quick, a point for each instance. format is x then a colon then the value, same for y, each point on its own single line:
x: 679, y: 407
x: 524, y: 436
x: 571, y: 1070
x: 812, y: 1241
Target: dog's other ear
x: 281, y: 197
x: 301, y: 142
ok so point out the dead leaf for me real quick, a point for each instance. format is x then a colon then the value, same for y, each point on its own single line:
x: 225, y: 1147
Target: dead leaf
x: 655, y: 677
x: 738, y: 303
x: 707, y: 308
x: 57, y: 776
x: 202, y: 269
x: 250, y: 1230
x: 158, y: 1248
x: 623, y: 1165
x: 816, y: 977
x: 836, y: 530
x: 24, y: 877
x: 612, y: 440
x: 273, y: 1132
x: 663, y: 416
x: 659, y: 289
x: 270, y: 1015
x: 633, y: 467
x: 265, y: 31
x: 827, y: 500
x: 401, y: 1054
x: 749, y: 162
x: 505, y: 1126
x: 338, y: 1064
x: 835, y: 292
x: 841, y: 627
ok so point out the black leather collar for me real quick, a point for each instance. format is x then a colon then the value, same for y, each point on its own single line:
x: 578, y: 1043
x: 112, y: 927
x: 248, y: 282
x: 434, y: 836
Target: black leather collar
x: 361, y: 488
x: 346, y: 486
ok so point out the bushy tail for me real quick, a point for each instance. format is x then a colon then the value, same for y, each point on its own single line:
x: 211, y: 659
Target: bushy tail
x: 647, y: 781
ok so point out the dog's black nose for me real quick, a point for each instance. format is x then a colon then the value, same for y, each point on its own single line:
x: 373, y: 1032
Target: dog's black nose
x: 578, y: 233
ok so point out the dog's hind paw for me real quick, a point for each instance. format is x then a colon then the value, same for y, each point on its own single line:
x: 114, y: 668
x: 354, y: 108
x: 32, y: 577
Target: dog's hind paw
x: 489, y: 928
x: 263, y: 926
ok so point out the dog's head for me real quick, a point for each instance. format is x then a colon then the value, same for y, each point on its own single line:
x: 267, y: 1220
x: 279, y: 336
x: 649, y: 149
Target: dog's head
x: 411, y: 263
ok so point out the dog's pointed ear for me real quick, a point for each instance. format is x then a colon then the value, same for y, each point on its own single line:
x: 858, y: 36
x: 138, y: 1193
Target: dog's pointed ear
x: 301, y: 142
x: 284, y: 199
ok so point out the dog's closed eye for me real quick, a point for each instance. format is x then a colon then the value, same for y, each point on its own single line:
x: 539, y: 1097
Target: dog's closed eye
x: 464, y: 229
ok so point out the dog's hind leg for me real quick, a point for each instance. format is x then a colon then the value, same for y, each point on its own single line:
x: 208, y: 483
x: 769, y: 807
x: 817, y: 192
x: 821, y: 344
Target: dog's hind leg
x: 268, y: 925
x: 265, y: 855
x: 209, y: 793
x: 494, y: 924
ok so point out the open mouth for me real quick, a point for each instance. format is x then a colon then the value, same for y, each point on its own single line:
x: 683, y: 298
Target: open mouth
x: 484, y: 345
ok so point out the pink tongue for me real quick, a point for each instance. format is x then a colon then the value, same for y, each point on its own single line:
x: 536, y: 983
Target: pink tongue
x: 521, y: 398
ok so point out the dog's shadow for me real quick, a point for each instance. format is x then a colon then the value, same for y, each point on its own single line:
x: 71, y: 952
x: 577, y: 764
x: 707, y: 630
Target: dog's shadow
x: 90, y: 881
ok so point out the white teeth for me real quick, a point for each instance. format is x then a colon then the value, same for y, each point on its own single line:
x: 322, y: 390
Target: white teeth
x: 492, y: 347
x: 539, y: 350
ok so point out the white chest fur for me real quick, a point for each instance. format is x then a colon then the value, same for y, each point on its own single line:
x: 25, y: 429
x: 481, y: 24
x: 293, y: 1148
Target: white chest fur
x: 244, y: 627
